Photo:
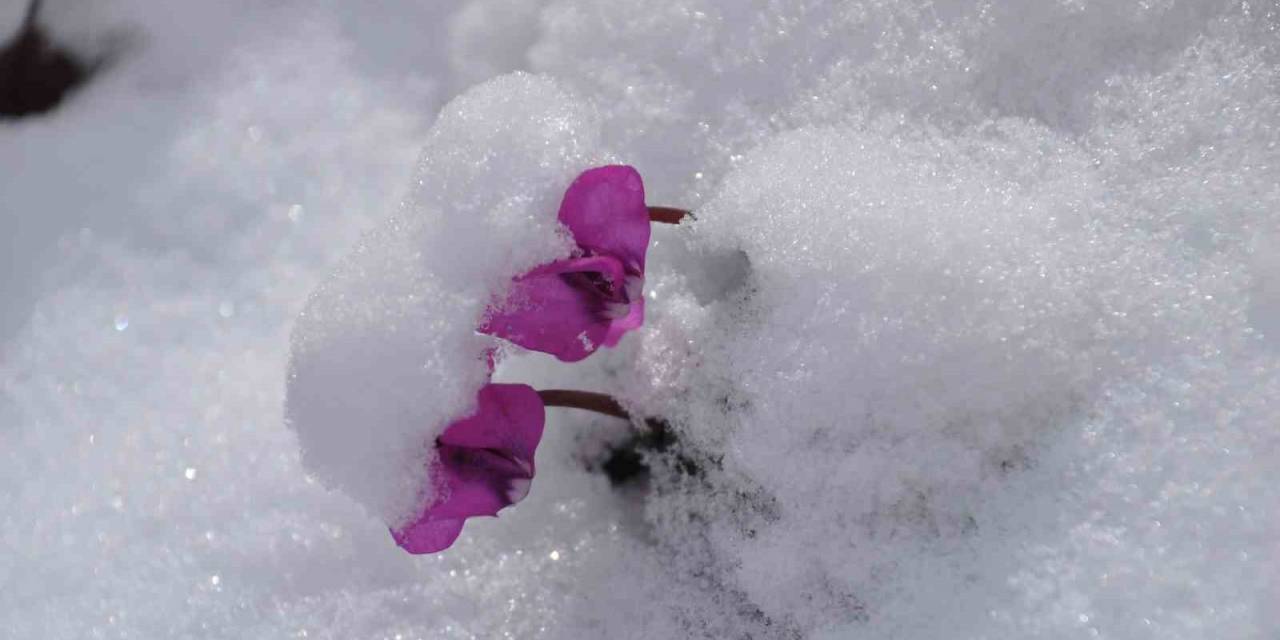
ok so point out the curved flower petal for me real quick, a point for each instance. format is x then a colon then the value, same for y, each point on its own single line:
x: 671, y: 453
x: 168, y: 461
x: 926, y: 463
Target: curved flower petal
x: 476, y: 483
x: 428, y: 536
x: 509, y: 418
x: 554, y: 310
x: 605, y: 210
x: 485, y: 463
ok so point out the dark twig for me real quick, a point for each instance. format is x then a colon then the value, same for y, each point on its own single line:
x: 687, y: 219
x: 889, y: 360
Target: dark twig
x: 587, y: 400
x: 34, y: 74
x: 668, y: 215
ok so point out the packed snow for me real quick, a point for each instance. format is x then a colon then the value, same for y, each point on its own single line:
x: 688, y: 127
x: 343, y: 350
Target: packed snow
x: 975, y: 334
x: 398, y: 316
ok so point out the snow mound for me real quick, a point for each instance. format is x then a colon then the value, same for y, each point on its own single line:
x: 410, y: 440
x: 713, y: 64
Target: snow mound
x: 924, y: 324
x: 385, y: 354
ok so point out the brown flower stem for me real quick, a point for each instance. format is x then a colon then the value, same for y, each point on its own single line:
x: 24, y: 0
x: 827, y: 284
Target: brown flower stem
x: 668, y: 215
x: 587, y: 400
x: 659, y: 430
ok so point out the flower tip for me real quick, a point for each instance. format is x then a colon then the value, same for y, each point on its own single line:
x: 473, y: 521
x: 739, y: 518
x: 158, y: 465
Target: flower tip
x: 570, y: 307
x: 484, y: 464
x: 431, y: 536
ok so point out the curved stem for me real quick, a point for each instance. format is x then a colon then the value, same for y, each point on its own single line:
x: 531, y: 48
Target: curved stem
x: 668, y: 215
x: 587, y: 400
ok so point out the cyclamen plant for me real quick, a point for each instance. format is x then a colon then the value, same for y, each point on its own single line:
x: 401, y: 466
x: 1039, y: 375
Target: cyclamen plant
x: 571, y: 307
x: 485, y: 464
x: 568, y: 308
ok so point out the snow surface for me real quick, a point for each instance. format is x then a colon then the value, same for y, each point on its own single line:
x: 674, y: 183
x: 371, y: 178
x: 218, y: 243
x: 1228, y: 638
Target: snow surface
x: 398, y: 316
x: 975, y: 334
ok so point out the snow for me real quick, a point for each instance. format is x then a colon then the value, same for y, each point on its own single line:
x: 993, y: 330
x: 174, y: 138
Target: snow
x: 929, y: 351
x: 399, y: 315
x: 974, y: 335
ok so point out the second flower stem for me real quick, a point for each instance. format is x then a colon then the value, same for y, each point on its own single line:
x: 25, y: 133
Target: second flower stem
x: 587, y: 400
x: 668, y: 215
x: 626, y: 460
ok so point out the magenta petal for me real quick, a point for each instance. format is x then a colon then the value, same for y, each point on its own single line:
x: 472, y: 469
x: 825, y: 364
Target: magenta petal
x: 605, y: 210
x: 478, y: 489
x: 485, y: 463
x: 510, y: 418
x: 570, y: 308
x: 545, y: 311
x: 428, y: 536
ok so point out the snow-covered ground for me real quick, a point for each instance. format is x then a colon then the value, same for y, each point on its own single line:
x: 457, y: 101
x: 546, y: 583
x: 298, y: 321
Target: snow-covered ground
x: 976, y: 333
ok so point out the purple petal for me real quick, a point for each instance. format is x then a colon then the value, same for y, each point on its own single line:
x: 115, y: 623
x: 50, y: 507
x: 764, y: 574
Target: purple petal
x: 605, y: 210
x: 473, y: 484
x: 485, y: 463
x: 548, y: 311
x: 428, y: 536
x: 509, y: 418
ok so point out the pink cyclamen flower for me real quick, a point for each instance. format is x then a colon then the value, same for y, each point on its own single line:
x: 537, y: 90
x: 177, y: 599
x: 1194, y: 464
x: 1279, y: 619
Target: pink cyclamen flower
x: 485, y: 463
x: 571, y: 307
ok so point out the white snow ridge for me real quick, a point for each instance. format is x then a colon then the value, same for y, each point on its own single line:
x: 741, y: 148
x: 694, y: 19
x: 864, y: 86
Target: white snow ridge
x: 976, y: 333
